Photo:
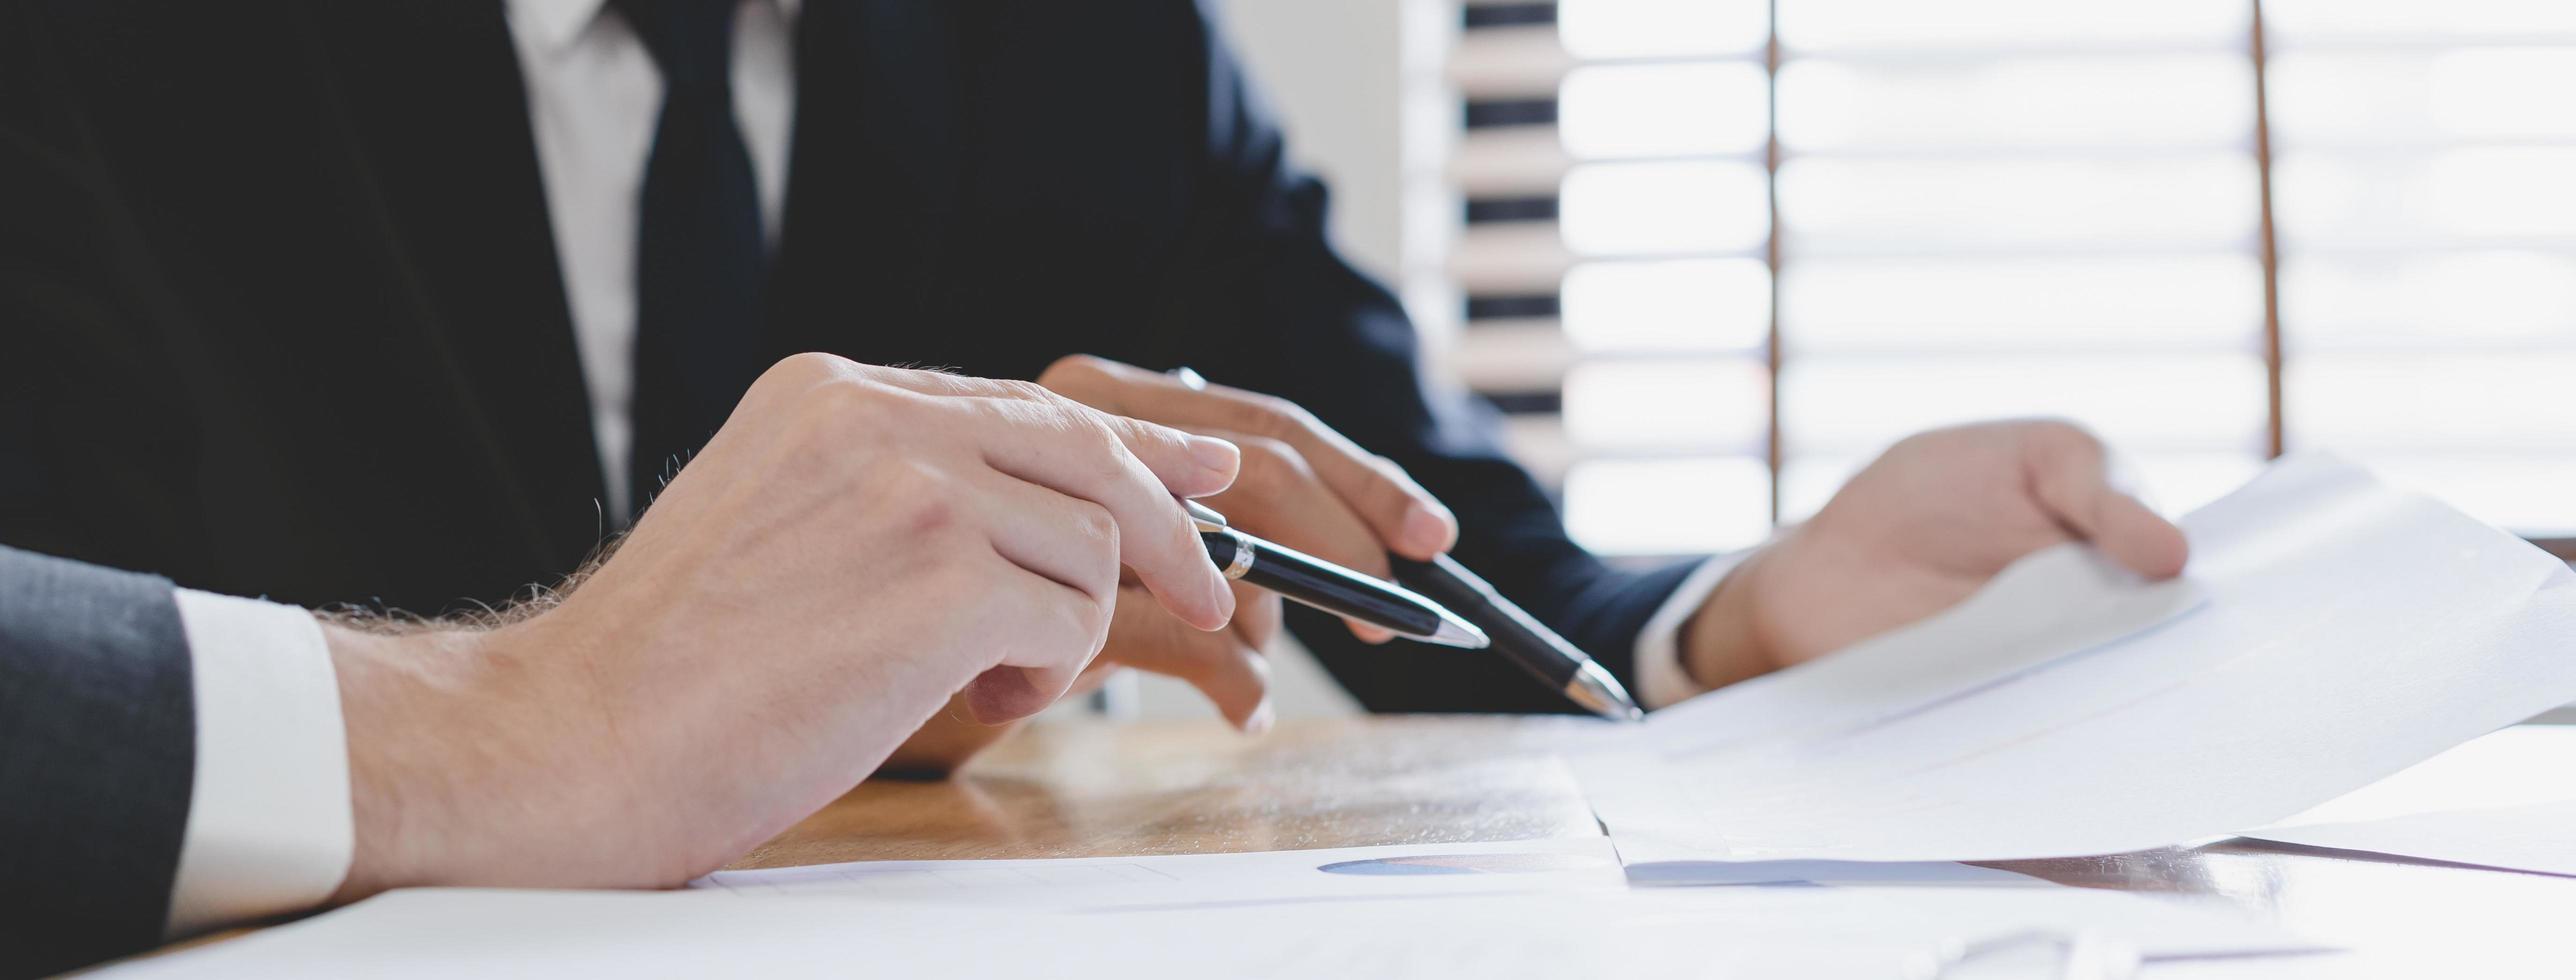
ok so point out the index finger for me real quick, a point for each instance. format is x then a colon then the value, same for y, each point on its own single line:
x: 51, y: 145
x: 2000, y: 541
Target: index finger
x: 1406, y: 517
x: 1189, y: 465
x: 1075, y: 451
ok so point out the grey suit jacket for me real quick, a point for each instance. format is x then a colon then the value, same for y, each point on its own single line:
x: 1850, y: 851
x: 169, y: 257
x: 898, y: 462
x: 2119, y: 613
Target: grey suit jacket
x: 97, y: 754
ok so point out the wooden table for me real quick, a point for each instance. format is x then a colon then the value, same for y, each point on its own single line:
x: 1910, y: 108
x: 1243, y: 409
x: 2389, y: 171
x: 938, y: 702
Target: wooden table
x: 1083, y: 789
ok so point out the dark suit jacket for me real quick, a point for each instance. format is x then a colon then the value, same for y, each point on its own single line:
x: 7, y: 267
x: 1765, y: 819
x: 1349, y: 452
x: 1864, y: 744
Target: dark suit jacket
x: 97, y: 752
x: 282, y: 313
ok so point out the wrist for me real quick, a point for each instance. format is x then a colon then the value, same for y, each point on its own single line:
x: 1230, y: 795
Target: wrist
x: 1721, y: 643
x: 410, y: 781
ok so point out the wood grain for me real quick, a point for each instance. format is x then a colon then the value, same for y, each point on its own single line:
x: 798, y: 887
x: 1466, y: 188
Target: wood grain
x: 1086, y: 789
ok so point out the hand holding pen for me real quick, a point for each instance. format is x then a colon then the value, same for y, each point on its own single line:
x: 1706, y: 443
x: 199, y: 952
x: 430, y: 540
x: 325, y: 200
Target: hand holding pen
x: 1301, y: 484
x: 1315, y: 582
x: 1306, y: 489
x: 1320, y: 494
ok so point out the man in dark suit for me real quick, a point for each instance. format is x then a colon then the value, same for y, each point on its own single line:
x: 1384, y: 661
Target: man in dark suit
x: 844, y: 555
x: 410, y: 302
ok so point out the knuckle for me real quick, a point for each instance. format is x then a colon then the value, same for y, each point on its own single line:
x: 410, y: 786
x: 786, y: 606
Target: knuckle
x: 918, y: 498
x: 1271, y: 415
x: 1107, y: 450
x: 1096, y: 613
x: 1272, y: 461
x: 1391, y: 483
x: 1074, y: 629
x: 929, y: 516
x: 842, y: 404
x: 2060, y: 440
x: 809, y: 365
x: 1098, y: 532
x: 1268, y: 453
x: 1023, y: 390
x: 1076, y: 367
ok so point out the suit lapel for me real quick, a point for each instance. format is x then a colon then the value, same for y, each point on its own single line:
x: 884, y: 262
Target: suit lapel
x: 432, y: 91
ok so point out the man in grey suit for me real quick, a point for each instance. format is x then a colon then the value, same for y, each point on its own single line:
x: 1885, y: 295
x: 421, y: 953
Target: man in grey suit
x: 856, y: 545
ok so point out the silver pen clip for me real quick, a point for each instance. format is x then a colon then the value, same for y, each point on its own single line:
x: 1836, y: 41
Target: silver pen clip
x: 1205, y: 518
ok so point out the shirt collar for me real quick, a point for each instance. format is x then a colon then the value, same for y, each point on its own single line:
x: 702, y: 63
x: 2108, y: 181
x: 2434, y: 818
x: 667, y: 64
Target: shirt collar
x: 553, y: 24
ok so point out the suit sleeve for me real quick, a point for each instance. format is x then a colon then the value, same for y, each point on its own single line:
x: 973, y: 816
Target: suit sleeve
x: 1300, y: 323
x: 97, y: 747
x: 165, y: 763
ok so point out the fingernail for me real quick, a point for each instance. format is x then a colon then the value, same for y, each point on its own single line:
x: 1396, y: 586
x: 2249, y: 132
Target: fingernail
x: 1262, y: 718
x: 1215, y: 455
x: 1221, y: 599
x: 1426, y: 531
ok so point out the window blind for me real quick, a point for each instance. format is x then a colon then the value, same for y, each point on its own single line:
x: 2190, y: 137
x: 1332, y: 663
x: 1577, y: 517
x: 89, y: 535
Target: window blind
x: 1713, y: 255
x: 2426, y: 193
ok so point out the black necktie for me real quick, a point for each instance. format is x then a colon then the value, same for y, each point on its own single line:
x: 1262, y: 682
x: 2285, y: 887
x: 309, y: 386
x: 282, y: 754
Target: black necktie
x: 700, y: 260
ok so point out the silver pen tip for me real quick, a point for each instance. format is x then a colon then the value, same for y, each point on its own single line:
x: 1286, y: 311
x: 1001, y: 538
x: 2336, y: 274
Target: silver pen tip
x: 1456, y: 632
x: 1601, y: 694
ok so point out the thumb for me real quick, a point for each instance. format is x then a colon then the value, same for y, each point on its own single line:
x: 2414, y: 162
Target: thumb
x: 2069, y: 475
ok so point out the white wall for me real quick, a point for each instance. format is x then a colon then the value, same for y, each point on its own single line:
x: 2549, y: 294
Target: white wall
x: 1329, y: 69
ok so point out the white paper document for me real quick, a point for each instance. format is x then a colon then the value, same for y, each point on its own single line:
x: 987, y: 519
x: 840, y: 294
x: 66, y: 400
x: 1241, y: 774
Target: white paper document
x: 1710, y: 932
x: 2047, y: 606
x: 1559, y: 865
x: 2337, y: 631
x: 2504, y: 801
x: 2519, y: 766
x: 2533, y: 837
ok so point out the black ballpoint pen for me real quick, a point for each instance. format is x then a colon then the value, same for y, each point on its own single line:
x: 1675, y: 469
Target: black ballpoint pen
x: 1329, y: 587
x: 1520, y: 636
x: 1515, y: 633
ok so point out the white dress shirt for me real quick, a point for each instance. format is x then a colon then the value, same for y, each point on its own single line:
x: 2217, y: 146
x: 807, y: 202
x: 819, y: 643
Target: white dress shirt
x: 594, y: 96
x: 269, y: 824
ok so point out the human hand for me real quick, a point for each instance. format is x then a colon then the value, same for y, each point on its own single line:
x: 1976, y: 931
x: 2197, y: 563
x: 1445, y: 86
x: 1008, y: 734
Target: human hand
x: 856, y: 544
x: 1916, y: 532
x: 1301, y: 484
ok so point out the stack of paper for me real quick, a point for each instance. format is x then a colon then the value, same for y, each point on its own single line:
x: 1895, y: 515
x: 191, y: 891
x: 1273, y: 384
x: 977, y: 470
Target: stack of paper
x: 2504, y: 801
x: 2335, y: 631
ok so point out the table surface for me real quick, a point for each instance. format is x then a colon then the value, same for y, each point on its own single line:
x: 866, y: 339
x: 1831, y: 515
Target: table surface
x: 1077, y: 789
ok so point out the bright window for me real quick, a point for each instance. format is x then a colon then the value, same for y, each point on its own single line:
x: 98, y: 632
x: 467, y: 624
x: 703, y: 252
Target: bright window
x: 1713, y: 255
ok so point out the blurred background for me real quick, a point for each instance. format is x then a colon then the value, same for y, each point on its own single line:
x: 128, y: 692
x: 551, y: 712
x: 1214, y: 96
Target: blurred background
x: 1711, y: 256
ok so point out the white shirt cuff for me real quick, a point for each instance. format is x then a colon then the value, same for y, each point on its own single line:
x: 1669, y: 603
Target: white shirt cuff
x: 269, y: 826
x: 1661, y: 681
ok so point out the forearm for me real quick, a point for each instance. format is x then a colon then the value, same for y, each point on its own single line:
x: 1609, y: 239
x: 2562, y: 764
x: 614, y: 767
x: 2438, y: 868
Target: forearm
x: 419, y: 763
